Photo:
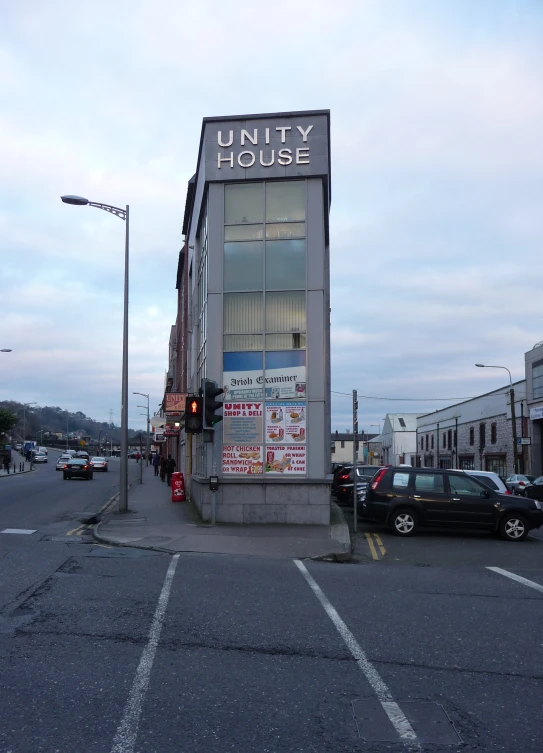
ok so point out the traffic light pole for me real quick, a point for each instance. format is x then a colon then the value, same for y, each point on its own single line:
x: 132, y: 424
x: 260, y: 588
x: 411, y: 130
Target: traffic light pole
x: 355, y: 434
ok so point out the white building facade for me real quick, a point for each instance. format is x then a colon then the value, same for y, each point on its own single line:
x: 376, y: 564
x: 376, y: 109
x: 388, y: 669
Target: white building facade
x: 476, y: 434
x: 399, y: 438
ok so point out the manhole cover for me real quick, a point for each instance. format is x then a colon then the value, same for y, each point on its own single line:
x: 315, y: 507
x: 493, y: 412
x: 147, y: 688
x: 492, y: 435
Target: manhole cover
x: 428, y: 719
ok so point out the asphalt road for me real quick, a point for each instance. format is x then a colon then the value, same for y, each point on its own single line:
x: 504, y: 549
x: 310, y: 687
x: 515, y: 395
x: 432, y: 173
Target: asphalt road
x: 109, y: 650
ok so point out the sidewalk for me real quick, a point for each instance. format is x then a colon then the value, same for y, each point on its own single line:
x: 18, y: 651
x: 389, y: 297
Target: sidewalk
x: 154, y: 522
x: 16, y: 458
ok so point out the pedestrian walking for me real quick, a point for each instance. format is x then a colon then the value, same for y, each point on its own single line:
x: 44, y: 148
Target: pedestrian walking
x: 170, y: 468
x: 156, y: 463
x: 138, y: 456
x: 162, y: 467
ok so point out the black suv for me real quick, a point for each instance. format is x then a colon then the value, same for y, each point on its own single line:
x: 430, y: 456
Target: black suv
x: 406, y: 498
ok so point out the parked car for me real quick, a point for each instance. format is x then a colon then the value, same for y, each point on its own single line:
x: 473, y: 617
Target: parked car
x: 18, y: 446
x: 77, y: 468
x: 40, y: 457
x: 490, y: 479
x: 61, y: 462
x: 99, y: 464
x: 408, y: 498
x: 535, y: 490
x: 344, y: 481
x: 518, y: 482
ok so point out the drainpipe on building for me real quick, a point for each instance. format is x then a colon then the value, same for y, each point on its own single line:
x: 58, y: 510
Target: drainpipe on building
x: 437, y: 448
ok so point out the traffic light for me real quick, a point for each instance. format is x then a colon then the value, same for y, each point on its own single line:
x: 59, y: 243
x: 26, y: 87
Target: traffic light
x: 211, y: 390
x: 193, y: 415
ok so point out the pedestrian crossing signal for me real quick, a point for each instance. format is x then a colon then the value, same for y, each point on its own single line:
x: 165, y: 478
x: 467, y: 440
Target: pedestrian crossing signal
x: 193, y: 415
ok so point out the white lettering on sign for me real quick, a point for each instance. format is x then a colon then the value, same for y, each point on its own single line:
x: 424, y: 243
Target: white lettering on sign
x: 266, y: 158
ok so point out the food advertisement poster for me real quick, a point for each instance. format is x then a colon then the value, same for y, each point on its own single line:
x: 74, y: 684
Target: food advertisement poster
x: 285, y: 422
x: 243, y: 376
x: 285, y: 375
x: 285, y: 460
x: 174, y: 402
x: 242, y: 423
x: 242, y: 459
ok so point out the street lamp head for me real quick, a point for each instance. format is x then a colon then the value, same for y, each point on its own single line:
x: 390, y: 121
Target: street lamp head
x: 77, y: 200
x: 5, y: 350
x: 480, y: 365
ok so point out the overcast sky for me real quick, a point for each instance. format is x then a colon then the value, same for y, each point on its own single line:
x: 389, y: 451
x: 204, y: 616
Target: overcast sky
x: 437, y: 180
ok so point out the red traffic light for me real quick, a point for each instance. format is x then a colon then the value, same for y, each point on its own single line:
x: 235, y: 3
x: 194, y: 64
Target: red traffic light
x: 194, y: 407
x: 193, y: 415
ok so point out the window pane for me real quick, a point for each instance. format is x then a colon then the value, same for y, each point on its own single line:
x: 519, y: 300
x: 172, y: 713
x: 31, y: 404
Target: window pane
x: 243, y: 203
x: 243, y: 312
x: 242, y: 376
x: 285, y: 374
x: 464, y: 486
x: 285, y: 201
x: 244, y: 232
x: 285, y: 342
x: 243, y: 265
x: 427, y: 482
x: 242, y: 342
x: 285, y: 312
x: 285, y: 264
x: 285, y: 230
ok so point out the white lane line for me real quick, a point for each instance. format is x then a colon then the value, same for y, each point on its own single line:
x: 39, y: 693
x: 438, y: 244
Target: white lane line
x: 392, y: 710
x: 127, y: 731
x: 518, y: 578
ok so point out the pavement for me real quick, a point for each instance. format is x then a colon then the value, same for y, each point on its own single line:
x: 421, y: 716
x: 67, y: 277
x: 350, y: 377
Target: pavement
x: 16, y: 459
x: 155, y: 522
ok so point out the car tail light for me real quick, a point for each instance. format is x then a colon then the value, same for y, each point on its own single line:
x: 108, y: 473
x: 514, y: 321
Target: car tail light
x: 378, y: 478
x: 344, y: 476
x: 84, y: 466
x: 65, y: 466
x: 521, y: 483
x: 508, y: 491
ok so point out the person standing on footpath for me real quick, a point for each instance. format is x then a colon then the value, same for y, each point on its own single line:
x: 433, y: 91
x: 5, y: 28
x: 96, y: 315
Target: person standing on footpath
x: 156, y: 463
x: 170, y: 468
x: 162, y: 466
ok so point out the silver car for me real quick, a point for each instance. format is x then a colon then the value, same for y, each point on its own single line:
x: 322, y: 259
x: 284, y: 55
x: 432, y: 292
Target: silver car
x: 40, y: 457
x: 99, y: 464
x: 61, y: 462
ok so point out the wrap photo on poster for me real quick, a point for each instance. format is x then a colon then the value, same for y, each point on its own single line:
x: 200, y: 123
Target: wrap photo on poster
x: 242, y: 459
x: 285, y: 460
x: 243, y: 376
x: 243, y: 423
x: 285, y: 375
x: 285, y: 422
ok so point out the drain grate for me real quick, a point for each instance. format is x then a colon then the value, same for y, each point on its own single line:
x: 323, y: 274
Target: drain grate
x: 428, y: 719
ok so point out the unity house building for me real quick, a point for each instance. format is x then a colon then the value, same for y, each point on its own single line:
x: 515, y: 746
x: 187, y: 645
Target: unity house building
x: 254, y: 316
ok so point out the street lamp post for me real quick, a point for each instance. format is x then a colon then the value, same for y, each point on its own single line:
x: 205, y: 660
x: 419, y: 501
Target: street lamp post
x: 513, y: 416
x: 124, y: 215
x: 143, y: 394
x: 25, y: 406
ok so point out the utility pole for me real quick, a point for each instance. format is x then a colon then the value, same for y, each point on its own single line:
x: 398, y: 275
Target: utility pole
x: 514, y: 427
x: 355, y: 434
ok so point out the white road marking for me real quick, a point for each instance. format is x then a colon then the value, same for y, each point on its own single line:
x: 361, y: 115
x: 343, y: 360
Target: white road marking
x: 518, y: 578
x: 393, y: 711
x: 26, y: 531
x: 127, y: 731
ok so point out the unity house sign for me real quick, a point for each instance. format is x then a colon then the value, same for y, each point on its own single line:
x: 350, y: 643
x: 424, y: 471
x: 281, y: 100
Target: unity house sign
x: 262, y: 137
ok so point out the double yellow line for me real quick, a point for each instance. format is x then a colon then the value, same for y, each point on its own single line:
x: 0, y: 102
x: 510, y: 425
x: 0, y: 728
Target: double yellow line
x: 80, y: 530
x: 374, y: 545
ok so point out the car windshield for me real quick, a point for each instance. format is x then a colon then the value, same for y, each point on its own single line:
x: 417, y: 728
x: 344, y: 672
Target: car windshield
x: 78, y: 461
x: 101, y: 460
x: 526, y: 478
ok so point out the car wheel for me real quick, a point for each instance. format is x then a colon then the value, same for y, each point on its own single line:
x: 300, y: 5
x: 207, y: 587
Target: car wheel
x: 404, y: 522
x: 513, y: 527
x: 64, y: 476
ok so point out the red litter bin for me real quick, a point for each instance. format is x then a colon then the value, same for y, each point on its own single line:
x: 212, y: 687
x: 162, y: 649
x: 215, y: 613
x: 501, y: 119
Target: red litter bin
x: 178, y: 487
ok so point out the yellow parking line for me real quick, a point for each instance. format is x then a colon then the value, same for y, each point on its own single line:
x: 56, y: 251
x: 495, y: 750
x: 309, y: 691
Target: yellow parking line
x: 372, y: 547
x: 71, y: 533
x: 380, y: 544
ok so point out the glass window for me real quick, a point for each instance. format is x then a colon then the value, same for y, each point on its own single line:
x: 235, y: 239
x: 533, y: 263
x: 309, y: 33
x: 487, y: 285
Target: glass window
x: 472, y: 435
x: 493, y: 433
x: 285, y: 230
x: 285, y: 202
x: 243, y: 203
x: 243, y: 265
x: 242, y: 376
x: 482, y: 435
x: 428, y: 482
x: 285, y: 312
x: 432, y: 439
x: 487, y: 481
x: 537, y: 379
x: 292, y: 341
x: 285, y: 265
x: 242, y: 342
x: 244, y: 233
x: 243, y: 313
x: 467, y: 463
x: 400, y: 480
x: 465, y: 486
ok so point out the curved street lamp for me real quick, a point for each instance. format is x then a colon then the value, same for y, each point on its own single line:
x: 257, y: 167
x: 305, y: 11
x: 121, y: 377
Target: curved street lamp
x: 513, y: 416
x: 5, y: 350
x: 123, y: 214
